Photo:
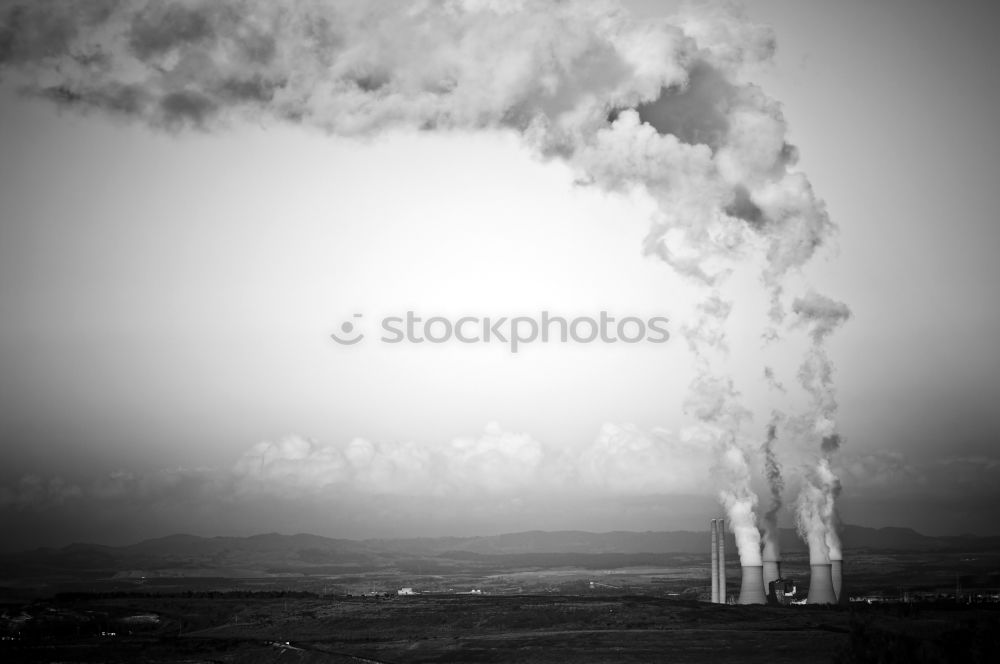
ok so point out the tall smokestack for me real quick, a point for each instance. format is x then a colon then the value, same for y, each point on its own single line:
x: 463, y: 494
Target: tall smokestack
x: 821, y: 585
x: 772, y: 572
x: 715, y: 562
x: 721, y: 523
x: 836, y: 574
x: 752, y: 585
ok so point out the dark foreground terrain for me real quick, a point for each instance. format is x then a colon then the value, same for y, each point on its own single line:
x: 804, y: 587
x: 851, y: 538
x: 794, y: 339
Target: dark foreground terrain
x: 523, y: 597
x: 298, y: 627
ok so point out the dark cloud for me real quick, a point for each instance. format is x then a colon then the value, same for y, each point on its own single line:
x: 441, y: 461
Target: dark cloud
x: 117, y: 99
x: 160, y: 27
x: 186, y: 108
x: 695, y: 112
x: 830, y: 444
x: 30, y: 32
x: 255, y: 88
x: 744, y: 208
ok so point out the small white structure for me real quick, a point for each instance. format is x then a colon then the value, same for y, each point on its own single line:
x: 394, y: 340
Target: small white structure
x: 406, y: 591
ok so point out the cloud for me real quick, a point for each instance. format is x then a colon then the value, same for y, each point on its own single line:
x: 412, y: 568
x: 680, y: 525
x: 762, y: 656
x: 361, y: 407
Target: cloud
x: 494, y: 462
x: 626, y: 460
x: 34, y: 492
x: 977, y: 463
x: 474, y: 484
x: 621, y: 461
x: 624, y: 477
x: 881, y: 471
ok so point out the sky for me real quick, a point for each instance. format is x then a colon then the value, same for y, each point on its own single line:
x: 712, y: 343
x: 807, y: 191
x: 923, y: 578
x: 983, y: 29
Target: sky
x: 192, y: 202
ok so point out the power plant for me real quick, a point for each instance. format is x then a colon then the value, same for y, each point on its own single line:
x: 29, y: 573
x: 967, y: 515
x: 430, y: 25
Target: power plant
x: 764, y: 584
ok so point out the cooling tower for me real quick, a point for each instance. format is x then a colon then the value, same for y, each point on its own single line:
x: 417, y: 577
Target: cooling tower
x: 715, y: 562
x: 821, y: 585
x: 836, y: 574
x: 752, y: 585
x: 721, y: 523
x: 772, y: 572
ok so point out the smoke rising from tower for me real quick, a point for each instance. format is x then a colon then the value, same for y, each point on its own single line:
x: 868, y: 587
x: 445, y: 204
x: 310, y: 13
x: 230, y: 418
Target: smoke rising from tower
x: 816, y: 516
x: 740, y: 503
x: 772, y: 470
x: 654, y: 103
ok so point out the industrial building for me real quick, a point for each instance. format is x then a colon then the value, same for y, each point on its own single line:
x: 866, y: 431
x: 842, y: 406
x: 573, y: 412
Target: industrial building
x: 763, y: 584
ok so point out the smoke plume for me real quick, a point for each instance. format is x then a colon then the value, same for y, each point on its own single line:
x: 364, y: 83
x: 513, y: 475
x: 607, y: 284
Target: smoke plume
x: 740, y: 501
x: 809, y: 522
x: 656, y: 103
x: 816, y: 508
x: 776, y: 483
x: 816, y: 515
x: 714, y: 401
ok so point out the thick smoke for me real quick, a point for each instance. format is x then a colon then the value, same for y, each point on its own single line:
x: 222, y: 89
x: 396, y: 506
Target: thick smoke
x: 657, y: 105
x: 654, y: 103
x: 816, y: 510
x: 830, y: 485
x: 715, y: 402
x: 810, y: 524
x: 816, y: 514
x: 776, y: 483
x: 739, y: 501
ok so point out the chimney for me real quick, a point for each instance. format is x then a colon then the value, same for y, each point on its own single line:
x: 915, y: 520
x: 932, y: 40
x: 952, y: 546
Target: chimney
x: 721, y: 524
x: 772, y: 572
x: 836, y: 574
x: 715, y: 563
x: 752, y: 585
x: 821, y: 585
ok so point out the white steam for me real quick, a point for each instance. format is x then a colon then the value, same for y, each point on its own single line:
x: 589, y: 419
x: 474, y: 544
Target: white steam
x: 816, y: 516
x: 776, y: 484
x: 740, y: 502
x: 656, y: 104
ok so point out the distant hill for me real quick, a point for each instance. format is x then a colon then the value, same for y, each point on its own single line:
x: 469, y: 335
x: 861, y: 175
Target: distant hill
x: 188, y: 545
x: 303, y: 554
x: 677, y: 541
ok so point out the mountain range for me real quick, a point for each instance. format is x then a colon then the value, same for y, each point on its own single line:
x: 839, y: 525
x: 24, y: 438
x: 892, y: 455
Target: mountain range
x: 271, y: 554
